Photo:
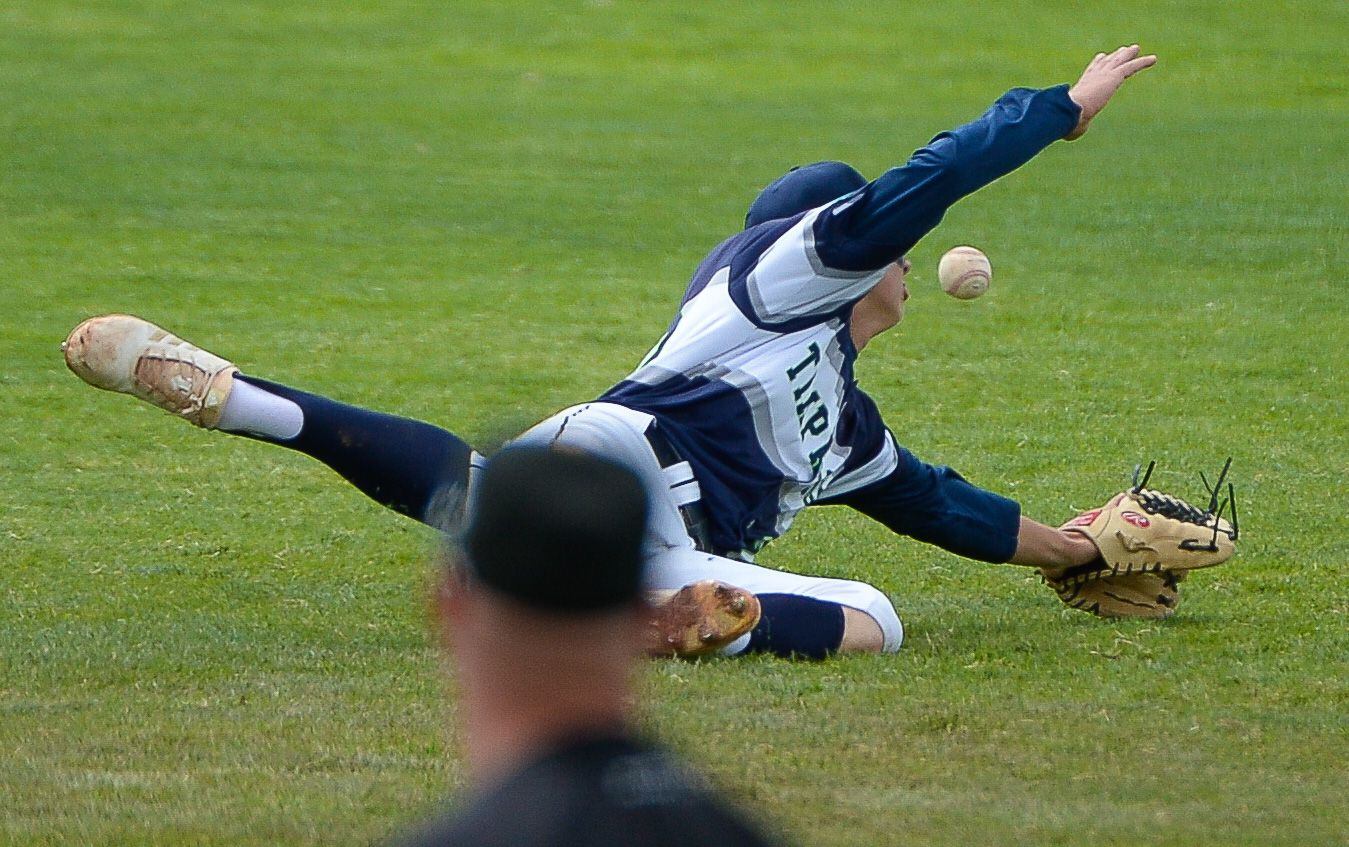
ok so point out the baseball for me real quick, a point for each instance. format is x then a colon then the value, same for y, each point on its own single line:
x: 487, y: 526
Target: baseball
x: 964, y: 272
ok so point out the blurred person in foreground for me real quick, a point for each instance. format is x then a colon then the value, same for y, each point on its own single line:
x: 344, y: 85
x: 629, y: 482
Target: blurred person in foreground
x: 541, y: 615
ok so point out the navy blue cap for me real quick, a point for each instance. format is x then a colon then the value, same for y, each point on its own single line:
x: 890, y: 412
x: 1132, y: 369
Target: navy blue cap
x: 803, y: 188
x: 558, y: 530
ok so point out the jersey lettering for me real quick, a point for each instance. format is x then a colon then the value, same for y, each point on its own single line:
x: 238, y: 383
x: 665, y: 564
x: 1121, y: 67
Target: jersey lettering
x: 811, y: 413
x: 815, y: 459
x: 812, y: 358
x: 806, y: 403
x: 818, y: 423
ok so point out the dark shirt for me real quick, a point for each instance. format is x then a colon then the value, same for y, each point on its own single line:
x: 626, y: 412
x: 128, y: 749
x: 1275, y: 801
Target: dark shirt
x: 594, y: 793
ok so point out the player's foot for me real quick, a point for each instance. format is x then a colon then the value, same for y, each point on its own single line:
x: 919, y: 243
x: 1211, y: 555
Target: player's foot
x: 133, y: 356
x: 700, y: 618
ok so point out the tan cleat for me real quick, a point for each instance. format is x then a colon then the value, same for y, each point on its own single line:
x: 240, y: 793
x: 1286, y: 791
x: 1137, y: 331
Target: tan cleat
x: 699, y: 619
x: 133, y: 356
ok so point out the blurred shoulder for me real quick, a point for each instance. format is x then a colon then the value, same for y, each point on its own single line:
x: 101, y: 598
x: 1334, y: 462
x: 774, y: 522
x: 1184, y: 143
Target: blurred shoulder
x: 609, y: 791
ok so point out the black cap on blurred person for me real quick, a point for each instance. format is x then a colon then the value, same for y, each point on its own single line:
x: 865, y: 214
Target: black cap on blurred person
x: 558, y: 530
x: 803, y: 188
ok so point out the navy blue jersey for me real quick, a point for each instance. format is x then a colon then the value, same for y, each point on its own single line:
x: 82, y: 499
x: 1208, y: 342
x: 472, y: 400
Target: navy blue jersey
x: 753, y: 382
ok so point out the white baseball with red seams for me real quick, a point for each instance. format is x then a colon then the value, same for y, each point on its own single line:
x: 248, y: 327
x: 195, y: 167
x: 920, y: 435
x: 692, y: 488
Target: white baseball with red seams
x: 964, y: 272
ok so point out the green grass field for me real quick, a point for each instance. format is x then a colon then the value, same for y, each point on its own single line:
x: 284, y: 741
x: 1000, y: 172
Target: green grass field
x: 477, y: 213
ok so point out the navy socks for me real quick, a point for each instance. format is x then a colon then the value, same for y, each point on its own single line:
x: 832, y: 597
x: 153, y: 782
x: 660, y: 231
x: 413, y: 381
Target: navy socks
x: 796, y: 626
x: 421, y: 471
x: 412, y: 467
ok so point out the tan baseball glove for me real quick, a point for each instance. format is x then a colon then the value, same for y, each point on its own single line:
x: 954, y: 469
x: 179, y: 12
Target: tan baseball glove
x: 1137, y: 595
x: 1149, y: 541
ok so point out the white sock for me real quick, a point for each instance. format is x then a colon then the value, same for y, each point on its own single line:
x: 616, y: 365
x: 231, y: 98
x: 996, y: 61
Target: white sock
x: 258, y: 412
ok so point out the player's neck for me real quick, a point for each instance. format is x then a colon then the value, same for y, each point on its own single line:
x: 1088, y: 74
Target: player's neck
x: 865, y: 326
x: 527, y: 689
x: 869, y: 320
x: 502, y: 737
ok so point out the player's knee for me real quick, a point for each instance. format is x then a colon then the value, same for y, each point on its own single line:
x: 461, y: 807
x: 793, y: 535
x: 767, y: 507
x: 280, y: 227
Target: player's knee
x: 873, y: 625
x: 861, y: 633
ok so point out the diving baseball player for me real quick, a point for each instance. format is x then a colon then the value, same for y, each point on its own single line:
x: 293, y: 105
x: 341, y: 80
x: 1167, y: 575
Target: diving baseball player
x: 747, y: 409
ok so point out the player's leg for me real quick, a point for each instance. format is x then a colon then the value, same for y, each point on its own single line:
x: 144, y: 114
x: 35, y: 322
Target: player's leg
x: 800, y: 615
x: 864, y: 634
x: 412, y: 467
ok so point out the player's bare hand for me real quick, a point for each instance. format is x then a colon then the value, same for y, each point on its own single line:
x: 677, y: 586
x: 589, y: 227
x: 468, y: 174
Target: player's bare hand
x: 1102, y: 78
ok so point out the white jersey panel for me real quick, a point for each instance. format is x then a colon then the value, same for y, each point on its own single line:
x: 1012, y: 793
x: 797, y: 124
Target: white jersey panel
x: 789, y: 281
x: 794, y: 385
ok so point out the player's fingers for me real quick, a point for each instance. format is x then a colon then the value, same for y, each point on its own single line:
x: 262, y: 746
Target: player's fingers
x: 1124, y: 54
x: 1132, y: 67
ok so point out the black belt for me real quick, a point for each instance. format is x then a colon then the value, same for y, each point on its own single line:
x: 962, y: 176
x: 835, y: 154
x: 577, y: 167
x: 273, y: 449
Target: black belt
x: 694, y: 515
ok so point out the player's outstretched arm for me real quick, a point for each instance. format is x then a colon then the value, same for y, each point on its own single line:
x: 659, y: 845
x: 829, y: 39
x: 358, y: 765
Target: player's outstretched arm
x: 883, y: 220
x: 1102, y: 78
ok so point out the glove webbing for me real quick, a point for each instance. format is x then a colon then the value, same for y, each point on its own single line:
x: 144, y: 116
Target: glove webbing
x: 1168, y: 506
